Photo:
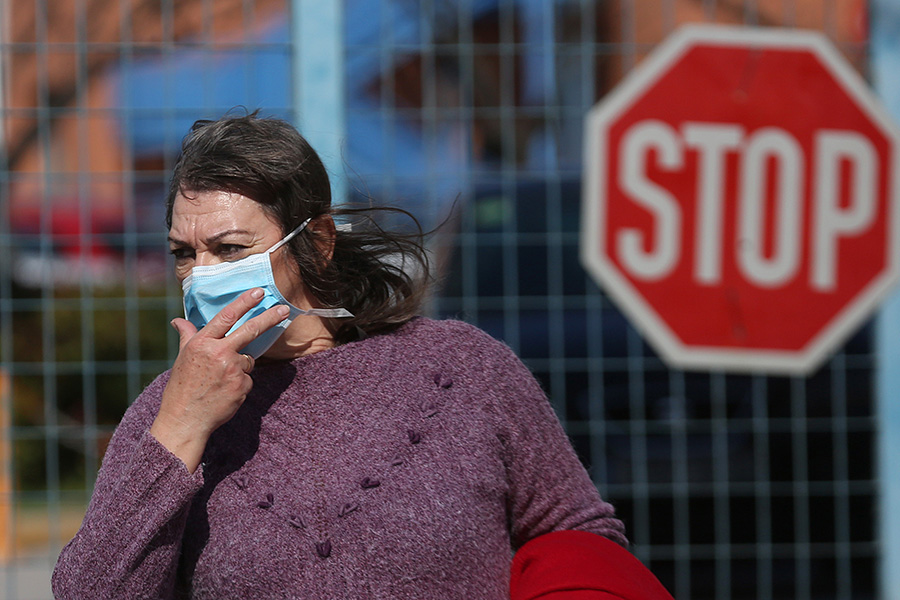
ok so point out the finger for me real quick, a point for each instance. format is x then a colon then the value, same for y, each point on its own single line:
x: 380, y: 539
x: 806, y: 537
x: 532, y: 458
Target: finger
x: 254, y: 327
x: 185, y: 330
x: 219, y: 325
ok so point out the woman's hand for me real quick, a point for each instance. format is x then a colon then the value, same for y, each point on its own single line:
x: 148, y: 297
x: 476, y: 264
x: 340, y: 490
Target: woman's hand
x: 210, y: 377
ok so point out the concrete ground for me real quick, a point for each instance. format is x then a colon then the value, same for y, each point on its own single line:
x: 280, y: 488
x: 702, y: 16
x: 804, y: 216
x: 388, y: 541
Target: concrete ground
x: 26, y: 579
x: 30, y: 546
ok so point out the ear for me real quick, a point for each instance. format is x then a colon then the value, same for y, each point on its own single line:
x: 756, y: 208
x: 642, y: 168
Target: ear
x: 324, y: 234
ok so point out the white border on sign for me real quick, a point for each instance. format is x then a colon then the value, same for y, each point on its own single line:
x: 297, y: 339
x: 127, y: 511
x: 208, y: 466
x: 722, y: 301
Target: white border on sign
x: 632, y: 303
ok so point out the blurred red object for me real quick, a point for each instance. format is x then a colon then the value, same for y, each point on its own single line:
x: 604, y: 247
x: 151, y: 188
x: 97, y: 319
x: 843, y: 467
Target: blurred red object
x: 577, y: 565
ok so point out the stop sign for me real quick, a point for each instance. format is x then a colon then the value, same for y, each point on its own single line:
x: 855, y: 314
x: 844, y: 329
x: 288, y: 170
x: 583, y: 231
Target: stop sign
x: 741, y: 199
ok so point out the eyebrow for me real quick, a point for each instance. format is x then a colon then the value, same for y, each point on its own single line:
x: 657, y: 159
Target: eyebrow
x: 210, y: 240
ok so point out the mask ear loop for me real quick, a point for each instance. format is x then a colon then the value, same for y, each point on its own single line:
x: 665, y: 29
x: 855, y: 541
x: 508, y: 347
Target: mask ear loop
x: 289, y: 236
x: 334, y: 313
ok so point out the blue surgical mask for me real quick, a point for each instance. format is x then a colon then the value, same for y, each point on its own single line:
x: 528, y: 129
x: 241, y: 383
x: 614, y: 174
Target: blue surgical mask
x: 209, y: 289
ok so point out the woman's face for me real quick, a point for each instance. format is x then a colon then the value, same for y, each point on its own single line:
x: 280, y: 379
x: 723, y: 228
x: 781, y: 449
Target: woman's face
x: 214, y: 227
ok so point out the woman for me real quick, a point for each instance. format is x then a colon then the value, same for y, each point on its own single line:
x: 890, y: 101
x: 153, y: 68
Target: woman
x: 314, y: 437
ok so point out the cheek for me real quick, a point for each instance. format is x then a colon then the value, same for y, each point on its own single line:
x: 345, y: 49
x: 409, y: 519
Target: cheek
x: 287, y: 278
x: 182, y: 271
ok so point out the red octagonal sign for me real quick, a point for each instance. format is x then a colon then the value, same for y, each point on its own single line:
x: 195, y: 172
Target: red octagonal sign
x: 741, y: 199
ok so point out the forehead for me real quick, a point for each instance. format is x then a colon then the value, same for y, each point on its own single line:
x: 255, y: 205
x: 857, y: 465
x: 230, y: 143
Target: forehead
x: 208, y: 213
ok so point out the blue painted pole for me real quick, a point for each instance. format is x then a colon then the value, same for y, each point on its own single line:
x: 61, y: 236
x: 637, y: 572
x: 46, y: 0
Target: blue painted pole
x: 888, y: 419
x: 318, y: 83
x: 885, y: 63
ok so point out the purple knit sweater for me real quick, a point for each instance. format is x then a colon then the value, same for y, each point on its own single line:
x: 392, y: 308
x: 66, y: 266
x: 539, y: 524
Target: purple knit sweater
x: 406, y: 465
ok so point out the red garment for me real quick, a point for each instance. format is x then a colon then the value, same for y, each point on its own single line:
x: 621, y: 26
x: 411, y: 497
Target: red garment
x: 577, y: 565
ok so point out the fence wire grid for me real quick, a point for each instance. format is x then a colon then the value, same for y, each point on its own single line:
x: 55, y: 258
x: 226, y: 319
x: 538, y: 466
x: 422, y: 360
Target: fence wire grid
x: 731, y: 486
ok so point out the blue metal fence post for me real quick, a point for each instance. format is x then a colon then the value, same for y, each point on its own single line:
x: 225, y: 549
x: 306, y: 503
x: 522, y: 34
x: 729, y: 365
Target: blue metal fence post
x: 318, y: 82
x: 885, y: 56
x: 888, y: 417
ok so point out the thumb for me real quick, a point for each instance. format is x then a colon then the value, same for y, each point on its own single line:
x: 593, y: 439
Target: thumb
x: 185, y: 330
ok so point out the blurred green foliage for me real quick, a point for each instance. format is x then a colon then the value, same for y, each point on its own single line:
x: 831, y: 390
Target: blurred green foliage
x: 92, y: 348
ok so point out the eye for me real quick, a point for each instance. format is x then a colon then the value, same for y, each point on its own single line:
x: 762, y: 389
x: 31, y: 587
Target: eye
x: 230, y: 251
x: 182, y: 253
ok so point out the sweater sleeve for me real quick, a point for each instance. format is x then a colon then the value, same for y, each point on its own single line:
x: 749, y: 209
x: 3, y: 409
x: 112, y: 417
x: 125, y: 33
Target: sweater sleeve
x: 129, y: 542
x: 548, y: 488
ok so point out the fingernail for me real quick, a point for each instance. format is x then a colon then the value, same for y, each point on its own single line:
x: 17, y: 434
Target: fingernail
x: 283, y: 311
x: 256, y: 293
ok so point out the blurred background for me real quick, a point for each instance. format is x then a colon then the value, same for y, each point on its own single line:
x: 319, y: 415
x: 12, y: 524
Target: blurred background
x: 466, y: 112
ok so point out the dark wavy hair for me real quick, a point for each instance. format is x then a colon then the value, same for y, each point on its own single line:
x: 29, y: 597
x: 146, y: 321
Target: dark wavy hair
x: 380, y: 276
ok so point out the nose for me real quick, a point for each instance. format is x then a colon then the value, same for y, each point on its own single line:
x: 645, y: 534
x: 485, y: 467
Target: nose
x: 203, y: 259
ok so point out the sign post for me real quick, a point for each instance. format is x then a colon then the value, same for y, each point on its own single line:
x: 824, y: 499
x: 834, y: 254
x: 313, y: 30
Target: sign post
x: 741, y: 199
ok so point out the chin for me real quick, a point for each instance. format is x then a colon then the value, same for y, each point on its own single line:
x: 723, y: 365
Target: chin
x: 279, y: 351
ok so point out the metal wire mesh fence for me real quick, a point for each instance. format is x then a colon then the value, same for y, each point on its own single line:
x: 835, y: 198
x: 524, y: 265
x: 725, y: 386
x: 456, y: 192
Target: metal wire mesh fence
x: 466, y: 112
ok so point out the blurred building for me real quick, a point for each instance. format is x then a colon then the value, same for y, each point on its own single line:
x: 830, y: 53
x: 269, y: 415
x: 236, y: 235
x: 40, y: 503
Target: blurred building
x: 96, y: 101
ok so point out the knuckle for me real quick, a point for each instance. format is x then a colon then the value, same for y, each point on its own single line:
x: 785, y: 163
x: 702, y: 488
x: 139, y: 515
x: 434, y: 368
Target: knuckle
x: 228, y: 315
x: 231, y: 367
x: 204, y: 347
x: 192, y: 347
x: 253, y: 328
